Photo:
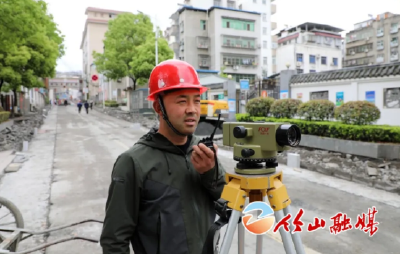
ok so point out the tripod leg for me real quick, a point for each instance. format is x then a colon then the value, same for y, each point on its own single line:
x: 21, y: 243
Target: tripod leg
x: 259, y: 239
x: 240, y: 238
x: 230, y: 231
x: 286, y: 239
x: 298, y: 245
x: 279, y: 200
x: 241, y: 235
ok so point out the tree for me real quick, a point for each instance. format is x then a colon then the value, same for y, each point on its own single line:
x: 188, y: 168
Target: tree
x: 30, y: 44
x: 144, y: 62
x: 127, y: 37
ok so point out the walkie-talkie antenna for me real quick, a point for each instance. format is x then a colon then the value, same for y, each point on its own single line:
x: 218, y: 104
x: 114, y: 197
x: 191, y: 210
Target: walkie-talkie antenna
x: 216, y: 126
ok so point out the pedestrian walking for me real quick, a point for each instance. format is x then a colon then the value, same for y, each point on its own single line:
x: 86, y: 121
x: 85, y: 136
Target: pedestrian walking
x: 86, y: 104
x: 162, y: 191
x: 79, y: 106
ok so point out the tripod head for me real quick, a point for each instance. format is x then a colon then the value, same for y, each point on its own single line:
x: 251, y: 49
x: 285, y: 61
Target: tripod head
x: 255, y: 143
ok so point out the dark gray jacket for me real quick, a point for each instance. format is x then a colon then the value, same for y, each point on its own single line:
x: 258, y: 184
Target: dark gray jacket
x: 157, y: 201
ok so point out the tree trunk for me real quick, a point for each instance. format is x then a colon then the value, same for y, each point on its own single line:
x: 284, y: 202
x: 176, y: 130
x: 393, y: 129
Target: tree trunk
x: 1, y: 96
x: 14, y: 103
x: 134, y: 83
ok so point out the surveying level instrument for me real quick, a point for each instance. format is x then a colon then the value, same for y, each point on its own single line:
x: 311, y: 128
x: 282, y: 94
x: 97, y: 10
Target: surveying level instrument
x: 255, y: 147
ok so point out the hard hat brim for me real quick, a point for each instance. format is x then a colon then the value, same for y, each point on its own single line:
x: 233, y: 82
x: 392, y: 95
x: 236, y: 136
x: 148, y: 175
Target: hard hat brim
x: 202, y: 89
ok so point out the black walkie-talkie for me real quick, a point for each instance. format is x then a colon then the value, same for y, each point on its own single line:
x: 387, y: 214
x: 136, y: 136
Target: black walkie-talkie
x: 210, y: 144
x: 209, y: 140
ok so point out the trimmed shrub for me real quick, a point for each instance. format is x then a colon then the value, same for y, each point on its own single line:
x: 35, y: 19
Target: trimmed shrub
x: 259, y: 106
x: 285, y: 108
x: 111, y: 104
x: 4, y: 116
x: 358, y: 113
x: 365, y: 133
x: 317, y: 110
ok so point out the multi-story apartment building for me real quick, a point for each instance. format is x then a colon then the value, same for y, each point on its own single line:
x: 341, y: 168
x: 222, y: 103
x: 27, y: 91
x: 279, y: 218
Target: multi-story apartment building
x: 374, y: 41
x: 96, y: 26
x: 309, y: 47
x: 224, y: 34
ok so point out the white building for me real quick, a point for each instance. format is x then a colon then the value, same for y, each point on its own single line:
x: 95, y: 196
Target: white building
x: 309, y: 47
x: 264, y: 27
x: 379, y: 84
x: 96, y: 26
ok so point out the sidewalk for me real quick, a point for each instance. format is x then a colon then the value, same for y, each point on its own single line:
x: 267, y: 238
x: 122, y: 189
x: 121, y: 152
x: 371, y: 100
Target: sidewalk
x: 29, y: 188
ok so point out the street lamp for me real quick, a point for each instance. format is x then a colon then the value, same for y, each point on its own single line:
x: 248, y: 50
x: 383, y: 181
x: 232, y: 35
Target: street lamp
x: 156, y: 46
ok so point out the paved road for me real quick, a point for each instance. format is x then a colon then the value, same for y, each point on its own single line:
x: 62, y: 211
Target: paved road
x: 67, y: 178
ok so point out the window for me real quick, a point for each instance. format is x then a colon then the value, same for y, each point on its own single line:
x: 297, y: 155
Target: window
x: 238, y: 24
x: 236, y: 42
x: 273, y: 60
x: 264, y: 1
x: 379, y: 32
x: 323, y: 95
x: 264, y: 30
x: 240, y: 7
x: 394, y: 28
x: 202, y: 24
x: 265, y: 44
x: 394, y: 42
x: 264, y: 17
x: 255, y: 1
x: 231, y: 4
x: 323, y: 60
x: 217, y: 2
x: 335, y: 61
x: 379, y: 45
x: 311, y: 71
x: 299, y: 57
x: 265, y: 60
x: 312, y: 59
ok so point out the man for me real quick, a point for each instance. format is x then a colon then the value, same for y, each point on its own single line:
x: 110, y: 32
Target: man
x: 86, y: 104
x: 79, y: 106
x: 162, y: 193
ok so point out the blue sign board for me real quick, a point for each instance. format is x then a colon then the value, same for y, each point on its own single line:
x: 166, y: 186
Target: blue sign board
x: 232, y: 105
x: 244, y: 84
x: 370, y: 96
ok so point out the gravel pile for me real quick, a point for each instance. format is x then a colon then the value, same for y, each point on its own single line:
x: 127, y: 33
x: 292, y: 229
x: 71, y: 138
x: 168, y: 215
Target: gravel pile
x: 11, y: 138
x: 376, y: 173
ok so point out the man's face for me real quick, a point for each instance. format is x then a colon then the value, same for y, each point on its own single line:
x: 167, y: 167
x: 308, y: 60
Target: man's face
x: 183, y: 109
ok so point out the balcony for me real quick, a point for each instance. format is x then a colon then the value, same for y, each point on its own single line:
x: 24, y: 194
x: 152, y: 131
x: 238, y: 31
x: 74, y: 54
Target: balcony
x: 394, y: 29
x: 394, y: 56
x: 273, y: 26
x: 273, y: 9
x: 240, y: 61
x: 394, y: 43
x: 202, y: 42
x: 380, y: 59
x: 379, y: 32
x: 204, y: 61
x: 239, y: 43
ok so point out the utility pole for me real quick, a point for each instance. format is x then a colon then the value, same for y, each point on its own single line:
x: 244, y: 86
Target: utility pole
x: 155, y: 21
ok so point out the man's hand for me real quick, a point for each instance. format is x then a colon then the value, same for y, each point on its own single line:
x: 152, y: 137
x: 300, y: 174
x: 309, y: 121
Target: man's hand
x: 203, y: 158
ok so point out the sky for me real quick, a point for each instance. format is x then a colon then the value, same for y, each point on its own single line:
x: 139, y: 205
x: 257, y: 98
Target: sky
x: 70, y: 17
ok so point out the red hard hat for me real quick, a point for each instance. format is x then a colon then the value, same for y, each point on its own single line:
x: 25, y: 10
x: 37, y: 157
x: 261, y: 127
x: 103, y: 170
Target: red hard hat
x: 173, y: 74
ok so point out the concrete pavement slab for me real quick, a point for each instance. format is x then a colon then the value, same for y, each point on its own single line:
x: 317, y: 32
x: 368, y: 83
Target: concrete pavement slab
x: 85, y: 147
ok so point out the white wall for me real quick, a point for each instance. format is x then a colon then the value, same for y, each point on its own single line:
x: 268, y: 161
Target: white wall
x: 287, y: 54
x: 353, y: 91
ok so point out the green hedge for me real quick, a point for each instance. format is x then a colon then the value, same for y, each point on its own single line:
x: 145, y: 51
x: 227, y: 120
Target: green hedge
x: 366, y: 133
x: 111, y: 104
x: 4, y: 116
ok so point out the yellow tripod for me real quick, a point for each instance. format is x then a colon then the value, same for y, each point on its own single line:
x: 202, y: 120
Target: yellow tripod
x: 256, y: 187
